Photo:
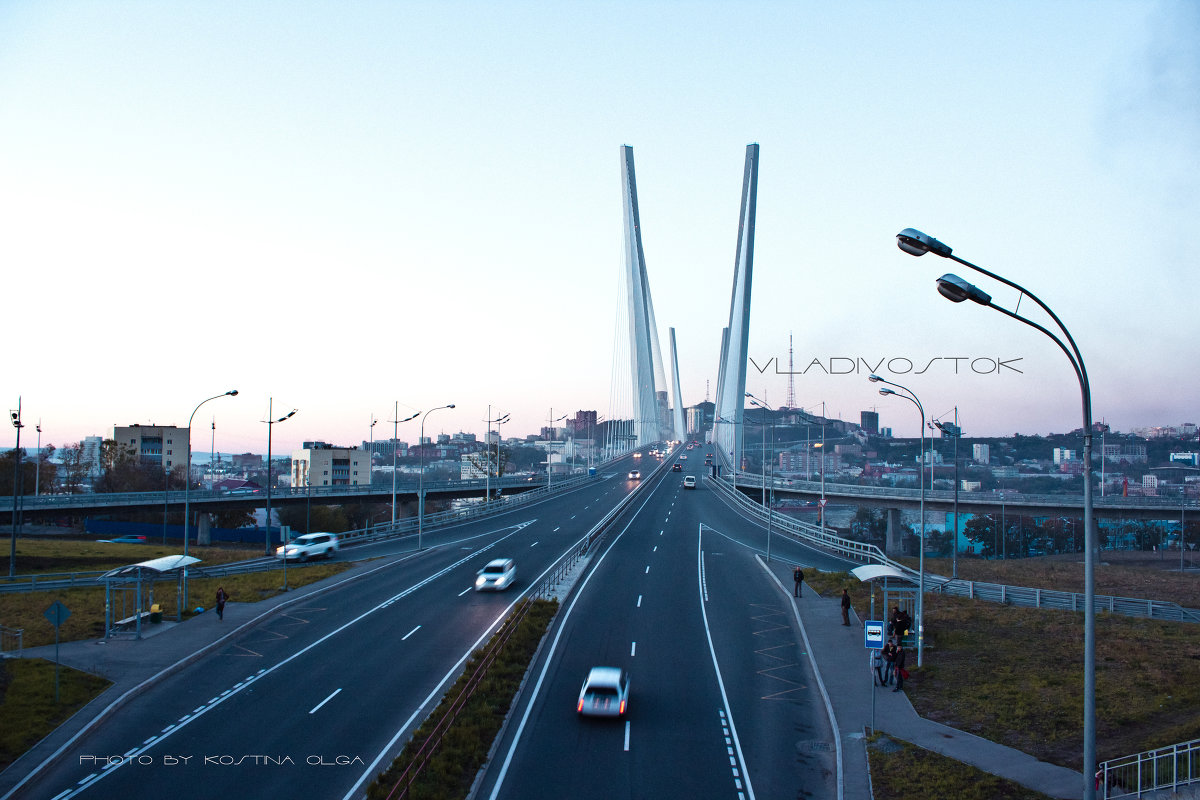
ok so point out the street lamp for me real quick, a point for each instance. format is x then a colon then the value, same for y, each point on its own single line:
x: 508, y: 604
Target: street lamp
x: 395, y: 420
x: 15, y: 416
x: 951, y: 429
x: 754, y: 401
x: 421, y: 480
x: 912, y: 398
x: 187, y: 484
x: 270, y: 420
x: 1182, y: 510
x: 37, y: 473
x: 487, y: 453
x: 956, y: 289
x: 550, y: 449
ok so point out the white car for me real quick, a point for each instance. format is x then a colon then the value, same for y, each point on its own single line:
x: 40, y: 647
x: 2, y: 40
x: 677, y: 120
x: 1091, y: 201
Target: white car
x: 497, y: 575
x: 309, y: 545
x: 605, y: 693
x: 689, y: 481
x: 635, y: 475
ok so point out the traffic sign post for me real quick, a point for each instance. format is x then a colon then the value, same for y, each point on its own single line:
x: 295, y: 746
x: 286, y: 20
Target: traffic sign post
x: 57, y: 613
x: 873, y: 630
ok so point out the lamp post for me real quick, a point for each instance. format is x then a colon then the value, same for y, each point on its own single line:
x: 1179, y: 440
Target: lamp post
x: 15, y: 416
x: 956, y: 290
x: 421, y: 480
x: 550, y: 449
x: 487, y: 452
x: 37, y: 473
x: 395, y: 420
x: 952, y: 429
x: 187, y: 484
x: 1182, y: 509
x: 270, y: 420
x: 754, y: 401
x: 370, y: 454
x: 912, y: 398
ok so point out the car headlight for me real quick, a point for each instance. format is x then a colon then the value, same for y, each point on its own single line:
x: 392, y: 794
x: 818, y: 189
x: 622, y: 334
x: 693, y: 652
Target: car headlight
x: 501, y: 580
x: 480, y: 581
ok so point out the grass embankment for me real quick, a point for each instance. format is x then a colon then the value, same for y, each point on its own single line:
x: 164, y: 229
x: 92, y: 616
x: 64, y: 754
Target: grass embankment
x: 903, y: 771
x: 26, y: 609
x: 451, y: 768
x: 1015, y: 675
x: 27, y: 708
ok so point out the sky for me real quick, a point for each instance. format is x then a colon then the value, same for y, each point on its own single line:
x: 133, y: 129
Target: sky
x: 349, y: 209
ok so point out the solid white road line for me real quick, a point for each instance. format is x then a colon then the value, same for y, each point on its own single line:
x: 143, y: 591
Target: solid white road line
x: 633, y: 650
x: 317, y: 707
x: 626, y: 736
x: 464, y: 591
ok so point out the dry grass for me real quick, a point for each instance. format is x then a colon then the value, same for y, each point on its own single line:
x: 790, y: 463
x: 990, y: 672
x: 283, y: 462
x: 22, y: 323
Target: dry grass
x: 27, y: 708
x: 903, y: 771
x: 36, y: 556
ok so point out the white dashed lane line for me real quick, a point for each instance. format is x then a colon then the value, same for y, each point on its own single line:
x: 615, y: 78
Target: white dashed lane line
x: 410, y: 633
x: 464, y: 591
x: 639, y: 602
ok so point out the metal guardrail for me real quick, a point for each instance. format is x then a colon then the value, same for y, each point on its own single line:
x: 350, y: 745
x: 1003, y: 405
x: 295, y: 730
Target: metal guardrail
x: 12, y: 640
x: 1025, y: 597
x: 1154, y: 770
x: 752, y: 480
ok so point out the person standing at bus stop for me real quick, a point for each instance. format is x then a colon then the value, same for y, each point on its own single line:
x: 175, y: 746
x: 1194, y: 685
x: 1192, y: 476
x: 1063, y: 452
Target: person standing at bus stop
x: 798, y: 577
x: 846, y: 607
x: 222, y: 596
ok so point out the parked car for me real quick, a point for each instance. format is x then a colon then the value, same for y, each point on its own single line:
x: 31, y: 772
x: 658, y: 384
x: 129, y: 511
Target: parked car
x: 689, y: 481
x: 605, y: 693
x: 497, y: 575
x: 309, y: 545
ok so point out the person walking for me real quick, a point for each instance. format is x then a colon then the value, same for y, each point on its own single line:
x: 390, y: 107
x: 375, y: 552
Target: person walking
x: 900, y: 670
x: 846, y: 607
x: 798, y: 577
x: 222, y: 596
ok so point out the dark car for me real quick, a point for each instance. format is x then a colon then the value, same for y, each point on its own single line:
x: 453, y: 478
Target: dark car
x: 676, y: 467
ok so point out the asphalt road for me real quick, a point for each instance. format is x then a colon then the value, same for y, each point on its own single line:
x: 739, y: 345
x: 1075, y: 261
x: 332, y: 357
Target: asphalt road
x: 315, y: 701
x: 722, y: 703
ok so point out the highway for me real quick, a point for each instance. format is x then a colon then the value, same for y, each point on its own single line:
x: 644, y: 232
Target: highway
x: 316, y: 700
x: 721, y: 698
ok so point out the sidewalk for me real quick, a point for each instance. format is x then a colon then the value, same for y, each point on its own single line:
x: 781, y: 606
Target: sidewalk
x: 842, y: 662
x: 130, y: 663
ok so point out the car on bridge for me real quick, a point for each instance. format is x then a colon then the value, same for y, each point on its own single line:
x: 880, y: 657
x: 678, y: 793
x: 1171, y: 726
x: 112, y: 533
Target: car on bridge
x: 605, y: 693
x: 689, y: 482
x: 635, y: 475
x: 497, y: 575
x: 677, y: 467
x: 309, y: 545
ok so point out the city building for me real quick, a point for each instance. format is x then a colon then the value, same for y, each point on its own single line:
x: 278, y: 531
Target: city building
x: 1060, y: 455
x: 164, y: 446
x: 89, y: 453
x: 323, y: 464
x: 1150, y: 485
x: 1186, y: 458
x: 981, y: 453
x: 869, y: 420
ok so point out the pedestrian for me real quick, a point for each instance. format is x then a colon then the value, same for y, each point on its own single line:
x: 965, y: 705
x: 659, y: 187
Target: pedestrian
x: 889, y: 661
x: 798, y: 577
x: 893, y: 619
x: 846, y: 607
x: 222, y: 596
x: 903, y: 624
x: 901, y: 672
x: 877, y: 665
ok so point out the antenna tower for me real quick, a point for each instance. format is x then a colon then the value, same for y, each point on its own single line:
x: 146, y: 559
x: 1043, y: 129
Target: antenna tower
x: 706, y: 391
x: 790, y: 401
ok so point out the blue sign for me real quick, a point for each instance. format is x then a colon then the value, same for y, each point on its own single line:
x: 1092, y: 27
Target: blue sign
x: 57, y: 614
x: 873, y: 634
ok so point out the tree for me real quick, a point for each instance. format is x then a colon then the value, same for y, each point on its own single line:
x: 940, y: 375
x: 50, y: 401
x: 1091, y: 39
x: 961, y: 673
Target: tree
x: 75, y: 468
x: 868, y: 524
x: 982, y: 530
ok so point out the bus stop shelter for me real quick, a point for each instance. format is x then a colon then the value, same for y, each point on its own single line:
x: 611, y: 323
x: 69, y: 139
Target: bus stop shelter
x: 900, y: 590
x: 128, y: 585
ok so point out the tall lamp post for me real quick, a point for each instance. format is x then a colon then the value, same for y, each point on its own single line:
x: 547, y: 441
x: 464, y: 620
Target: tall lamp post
x: 912, y: 398
x: 951, y: 429
x: 395, y: 420
x: 550, y: 449
x: 421, y: 480
x: 956, y: 290
x: 15, y: 416
x: 754, y: 401
x: 487, y: 452
x: 37, y: 473
x: 270, y: 420
x: 187, y: 484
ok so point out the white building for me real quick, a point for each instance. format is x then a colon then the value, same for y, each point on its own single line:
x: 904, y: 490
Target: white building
x: 981, y: 453
x: 325, y: 465
x: 1061, y: 454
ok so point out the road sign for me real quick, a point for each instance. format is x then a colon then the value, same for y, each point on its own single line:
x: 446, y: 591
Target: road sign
x: 822, y: 502
x: 873, y: 634
x: 57, y: 613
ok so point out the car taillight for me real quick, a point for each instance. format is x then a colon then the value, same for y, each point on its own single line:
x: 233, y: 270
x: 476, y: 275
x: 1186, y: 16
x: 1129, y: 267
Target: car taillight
x: 622, y: 711
x: 580, y: 709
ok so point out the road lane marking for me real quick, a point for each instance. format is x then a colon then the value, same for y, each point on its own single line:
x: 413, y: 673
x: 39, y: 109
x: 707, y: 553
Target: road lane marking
x: 639, y: 603
x: 633, y: 650
x: 464, y: 591
x: 410, y: 633
x: 534, y: 544
x: 655, y: 550
x: 556, y: 529
x: 626, y: 736
x: 317, y: 707
x: 647, y: 569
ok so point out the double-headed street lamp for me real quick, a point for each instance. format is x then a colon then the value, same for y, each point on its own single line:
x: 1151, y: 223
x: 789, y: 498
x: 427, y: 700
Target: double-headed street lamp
x: 912, y: 398
x: 487, y: 453
x: 956, y: 289
x: 15, y: 416
x: 270, y: 420
x: 950, y: 429
x: 395, y: 420
x: 421, y: 480
x: 187, y: 487
x: 754, y: 401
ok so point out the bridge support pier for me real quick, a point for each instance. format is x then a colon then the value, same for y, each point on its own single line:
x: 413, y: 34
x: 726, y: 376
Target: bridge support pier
x: 895, y: 533
x: 204, y: 529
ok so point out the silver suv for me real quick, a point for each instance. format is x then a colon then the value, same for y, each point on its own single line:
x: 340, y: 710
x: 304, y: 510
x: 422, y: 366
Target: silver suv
x: 309, y: 545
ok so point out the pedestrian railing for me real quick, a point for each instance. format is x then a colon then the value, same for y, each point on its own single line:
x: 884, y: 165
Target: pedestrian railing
x: 1021, y: 596
x: 1154, y: 770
